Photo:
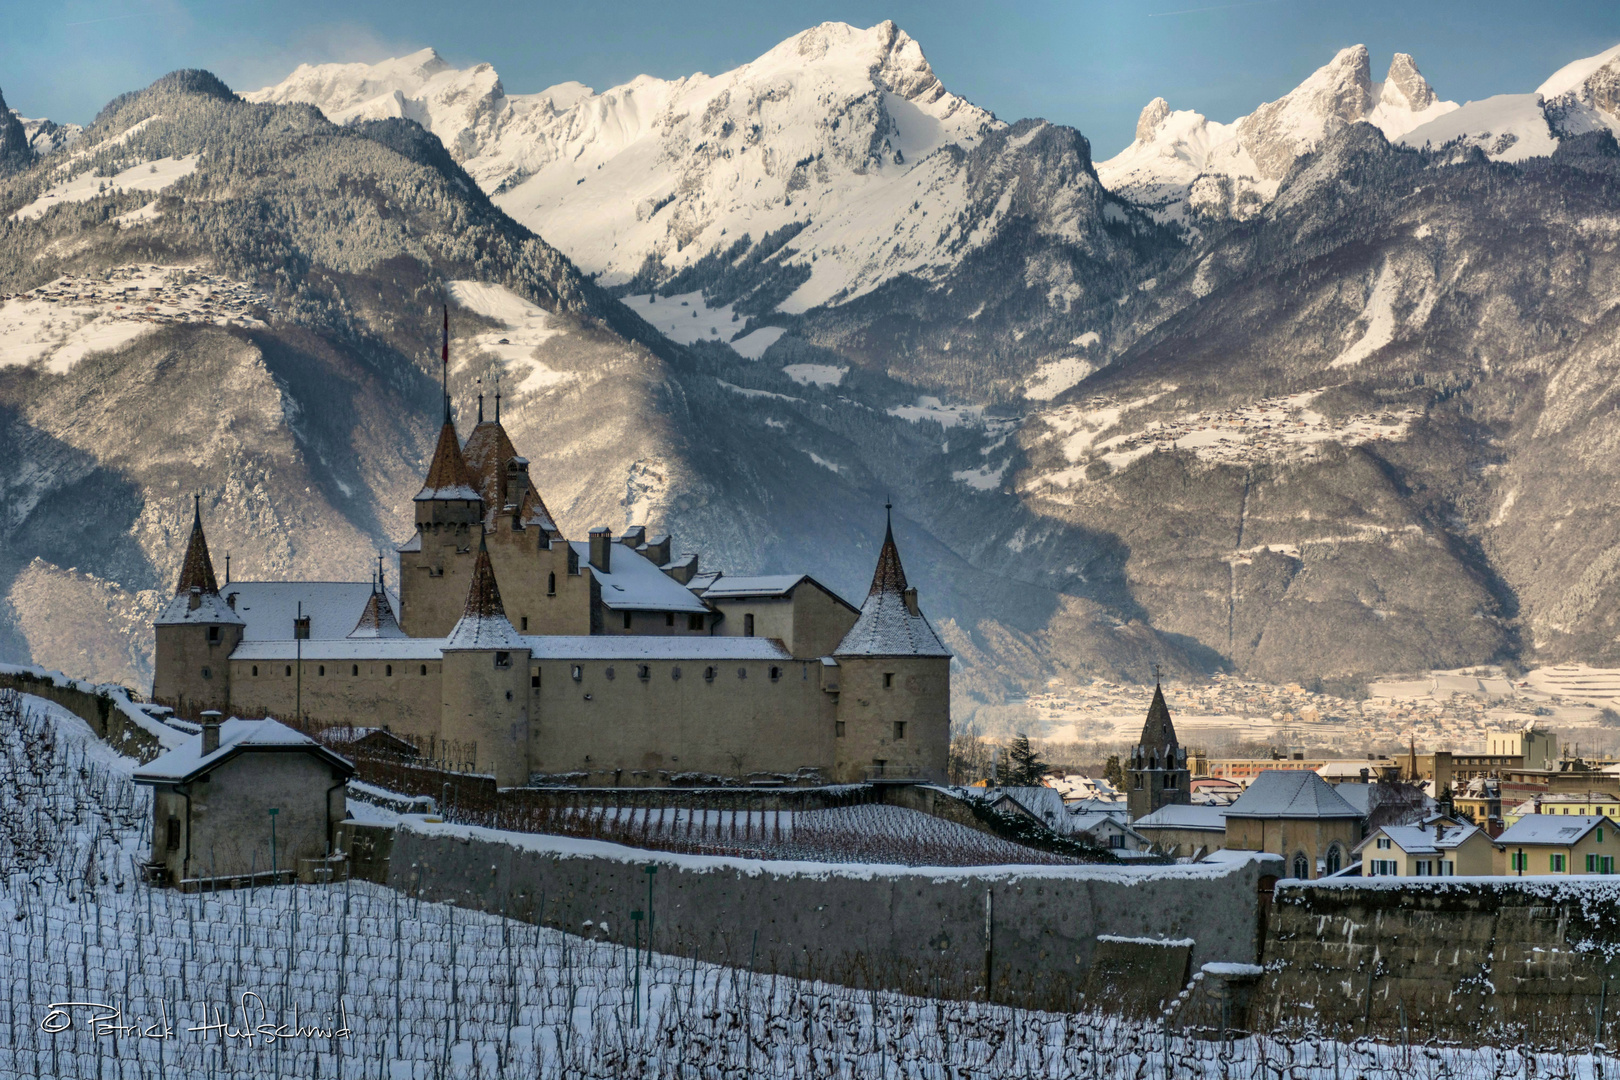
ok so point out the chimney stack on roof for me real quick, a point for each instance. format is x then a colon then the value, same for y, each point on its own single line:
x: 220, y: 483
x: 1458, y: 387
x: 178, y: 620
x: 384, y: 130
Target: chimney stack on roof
x: 196, y: 598
x: 602, y: 549
x: 910, y: 595
x: 210, y: 731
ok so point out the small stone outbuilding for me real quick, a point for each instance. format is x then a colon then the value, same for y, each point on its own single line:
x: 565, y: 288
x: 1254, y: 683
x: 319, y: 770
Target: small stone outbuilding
x: 215, y: 796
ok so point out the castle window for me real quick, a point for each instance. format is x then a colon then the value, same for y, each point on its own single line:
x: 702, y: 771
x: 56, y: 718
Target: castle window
x: 694, y: 622
x: 213, y: 635
x: 838, y: 729
x: 551, y: 584
x: 321, y: 669
x: 534, y: 681
x: 503, y: 659
x: 354, y: 670
x: 289, y: 671
x: 708, y: 674
x: 609, y: 672
x: 748, y: 625
x: 742, y: 673
x: 669, y: 618
x: 424, y: 669
x: 627, y: 620
x: 1138, y: 784
x: 776, y: 674
x: 578, y: 672
x: 208, y: 673
x: 675, y: 673
x: 899, y: 729
x: 255, y: 671
x: 888, y: 680
x: 643, y: 672
x: 524, y: 624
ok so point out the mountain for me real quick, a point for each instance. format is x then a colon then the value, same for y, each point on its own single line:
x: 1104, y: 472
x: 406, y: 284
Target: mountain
x: 832, y: 188
x: 1187, y: 168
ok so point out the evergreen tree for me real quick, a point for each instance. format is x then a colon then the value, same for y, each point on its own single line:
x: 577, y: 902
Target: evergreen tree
x: 1024, y: 766
x: 1114, y: 773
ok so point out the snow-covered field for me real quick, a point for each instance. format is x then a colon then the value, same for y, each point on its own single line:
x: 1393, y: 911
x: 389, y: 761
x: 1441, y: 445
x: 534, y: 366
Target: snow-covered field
x: 61, y: 322
x: 685, y: 318
x: 152, y: 176
x: 363, y: 981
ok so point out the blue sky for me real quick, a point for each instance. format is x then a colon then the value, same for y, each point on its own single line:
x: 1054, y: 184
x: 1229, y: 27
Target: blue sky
x: 1092, y: 64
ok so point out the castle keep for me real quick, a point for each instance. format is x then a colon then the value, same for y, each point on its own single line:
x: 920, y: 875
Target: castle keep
x: 535, y: 658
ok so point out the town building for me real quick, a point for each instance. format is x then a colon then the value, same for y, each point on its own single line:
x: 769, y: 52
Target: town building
x: 242, y: 798
x: 1298, y: 815
x: 1435, y: 848
x: 1541, y: 844
x: 1534, y: 747
x: 1185, y: 831
x: 1565, y: 804
x: 521, y: 654
x: 1157, y: 774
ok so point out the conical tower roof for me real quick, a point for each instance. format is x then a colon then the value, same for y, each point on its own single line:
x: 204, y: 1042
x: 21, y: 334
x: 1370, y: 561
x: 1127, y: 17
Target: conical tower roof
x: 197, y: 572
x: 487, y: 451
x: 377, y: 620
x: 887, y: 626
x: 483, y: 623
x: 448, y: 477
x: 1158, y: 733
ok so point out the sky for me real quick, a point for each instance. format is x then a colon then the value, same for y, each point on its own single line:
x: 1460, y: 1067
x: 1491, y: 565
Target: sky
x: 1091, y: 64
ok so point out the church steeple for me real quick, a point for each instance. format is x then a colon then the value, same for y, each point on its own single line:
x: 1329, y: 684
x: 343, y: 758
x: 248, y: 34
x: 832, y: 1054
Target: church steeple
x: 1157, y: 775
x: 197, y: 572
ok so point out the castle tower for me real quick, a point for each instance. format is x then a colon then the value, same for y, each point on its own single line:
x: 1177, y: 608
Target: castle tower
x: 486, y: 683
x: 196, y: 633
x: 1157, y: 775
x: 894, y: 684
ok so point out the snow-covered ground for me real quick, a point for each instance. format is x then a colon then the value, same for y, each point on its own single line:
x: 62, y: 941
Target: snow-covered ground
x: 685, y: 318
x: 525, y: 326
x: 816, y: 374
x: 151, y: 176
x: 77, y: 314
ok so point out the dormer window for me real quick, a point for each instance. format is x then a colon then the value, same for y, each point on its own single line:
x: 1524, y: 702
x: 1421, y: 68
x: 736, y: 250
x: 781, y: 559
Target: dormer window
x: 301, y: 628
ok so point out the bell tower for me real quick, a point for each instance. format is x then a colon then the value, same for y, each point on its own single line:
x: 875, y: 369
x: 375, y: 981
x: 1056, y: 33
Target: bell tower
x: 1158, y: 774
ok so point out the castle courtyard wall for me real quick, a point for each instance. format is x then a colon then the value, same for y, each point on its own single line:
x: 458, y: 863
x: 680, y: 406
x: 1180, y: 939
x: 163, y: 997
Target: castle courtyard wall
x: 385, y: 692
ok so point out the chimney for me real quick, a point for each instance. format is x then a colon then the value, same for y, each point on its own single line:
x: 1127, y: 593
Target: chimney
x: 634, y: 536
x: 195, y: 601
x: 210, y: 731
x: 911, y: 600
x: 602, y: 549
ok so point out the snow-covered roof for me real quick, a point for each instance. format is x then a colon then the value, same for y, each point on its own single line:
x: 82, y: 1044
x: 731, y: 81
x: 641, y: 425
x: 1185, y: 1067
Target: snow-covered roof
x: 887, y: 626
x: 268, y: 608
x: 1291, y: 793
x: 448, y: 476
x: 1043, y: 803
x: 483, y: 623
x: 764, y: 585
x: 694, y: 647
x: 634, y: 583
x: 700, y: 582
x: 236, y: 736
x: 1175, y: 816
x: 401, y: 648
x: 1550, y: 829
x: 377, y: 619
x: 211, y: 608
x: 1421, y: 839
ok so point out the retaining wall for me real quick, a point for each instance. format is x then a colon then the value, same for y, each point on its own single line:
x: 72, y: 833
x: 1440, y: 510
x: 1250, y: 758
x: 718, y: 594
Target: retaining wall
x: 106, y: 708
x: 1472, y: 959
x: 914, y: 930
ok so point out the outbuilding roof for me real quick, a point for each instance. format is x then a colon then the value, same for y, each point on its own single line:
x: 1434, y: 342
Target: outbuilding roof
x: 1290, y: 793
x: 236, y: 736
x: 1176, y: 816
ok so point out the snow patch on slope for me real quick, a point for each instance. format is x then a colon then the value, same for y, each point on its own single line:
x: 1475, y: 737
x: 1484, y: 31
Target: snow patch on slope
x: 146, y: 176
x: 527, y: 326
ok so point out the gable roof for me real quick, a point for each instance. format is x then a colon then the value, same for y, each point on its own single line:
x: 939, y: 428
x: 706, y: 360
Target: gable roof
x: 635, y: 583
x: 269, y: 608
x: 483, y: 623
x: 761, y: 585
x: 1550, y: 829
x: 236, y: 736
x: 1421, y: 839
x: 1290, y: 793
x: 1177, y: 816
x: 886, y: 626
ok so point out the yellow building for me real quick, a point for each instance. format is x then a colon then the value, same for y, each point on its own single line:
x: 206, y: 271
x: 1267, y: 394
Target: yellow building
x: 1542, y: 844
x: 1565, y: 804
x: 1438, y: 848
x: 1298, y: 815
x: 1535, y: 748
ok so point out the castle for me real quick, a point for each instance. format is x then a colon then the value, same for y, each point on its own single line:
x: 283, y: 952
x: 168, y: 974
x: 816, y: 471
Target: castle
x: 538, y: 659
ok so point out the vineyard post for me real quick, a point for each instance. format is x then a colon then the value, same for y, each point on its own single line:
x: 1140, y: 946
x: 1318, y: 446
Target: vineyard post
x: 651, y: 870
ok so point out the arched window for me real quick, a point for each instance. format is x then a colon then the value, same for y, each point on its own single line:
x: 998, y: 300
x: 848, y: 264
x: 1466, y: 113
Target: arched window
x: 354, y: 670
x: 708, y: 674
x: 320, y: 669
x: 424, y: 669
x: 1334, y: 860
x: 551, y: 584
x: 255, y: 670
x: 1302, y: 866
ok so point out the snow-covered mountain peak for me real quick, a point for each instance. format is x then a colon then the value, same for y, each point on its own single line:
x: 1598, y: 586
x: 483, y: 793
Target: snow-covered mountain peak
x: 1183, y: 166
x: 1574, y: 76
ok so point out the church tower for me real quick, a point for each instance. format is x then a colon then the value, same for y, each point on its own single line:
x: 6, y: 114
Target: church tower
x: 1158, y: 774
x: 195, y: 634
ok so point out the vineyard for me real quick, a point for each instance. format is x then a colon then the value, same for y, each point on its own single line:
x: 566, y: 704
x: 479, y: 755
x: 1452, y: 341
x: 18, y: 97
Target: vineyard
x: 356, y: 980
